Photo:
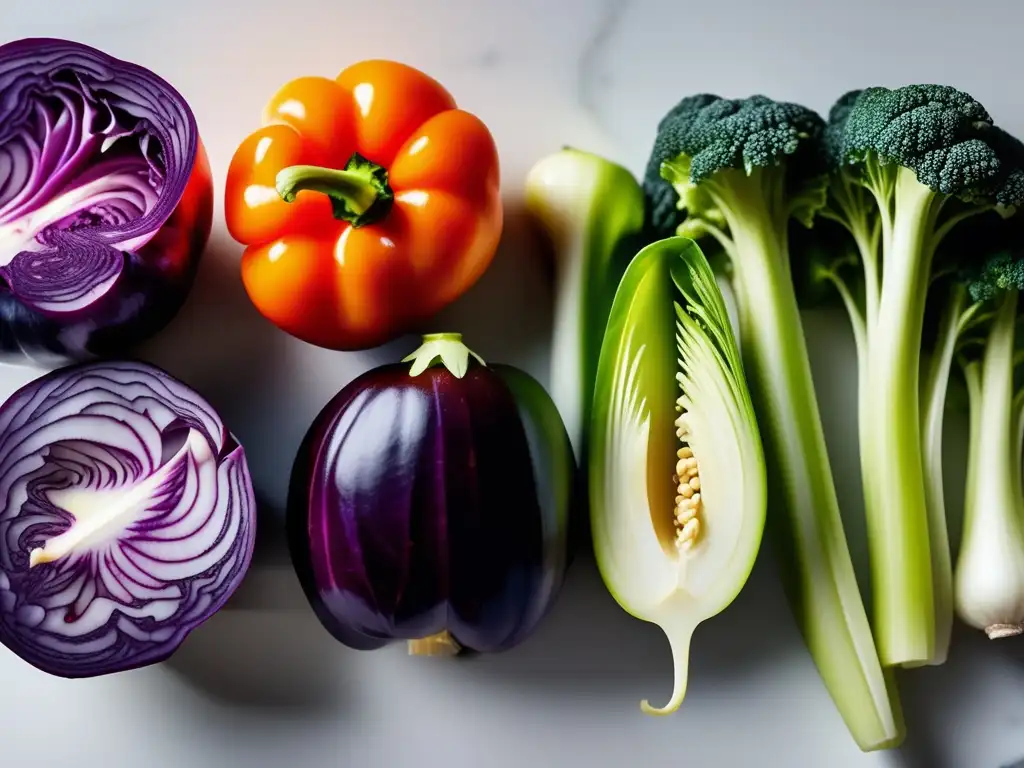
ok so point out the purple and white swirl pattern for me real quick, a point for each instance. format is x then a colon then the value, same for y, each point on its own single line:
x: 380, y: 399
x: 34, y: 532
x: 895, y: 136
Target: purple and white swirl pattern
x: 127, y: 517
x: 94, y: 156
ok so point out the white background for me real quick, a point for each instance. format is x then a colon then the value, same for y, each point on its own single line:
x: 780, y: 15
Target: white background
x: 262, y: 684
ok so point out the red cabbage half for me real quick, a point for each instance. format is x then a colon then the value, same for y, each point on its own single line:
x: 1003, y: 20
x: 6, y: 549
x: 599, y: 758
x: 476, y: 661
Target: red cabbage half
x: 128, y: 517
x: 106, y: 202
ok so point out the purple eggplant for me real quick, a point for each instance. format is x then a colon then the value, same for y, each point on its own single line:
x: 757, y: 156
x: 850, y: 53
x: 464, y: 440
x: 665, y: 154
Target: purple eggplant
x: 431, y: 503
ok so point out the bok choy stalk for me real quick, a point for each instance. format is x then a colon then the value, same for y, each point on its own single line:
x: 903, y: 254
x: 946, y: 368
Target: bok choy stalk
x: 591, y: 210
x: 677, y: 471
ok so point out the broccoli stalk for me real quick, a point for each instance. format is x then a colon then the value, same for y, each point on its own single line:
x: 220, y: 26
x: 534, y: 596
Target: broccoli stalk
x: 955, y: 315
x: 741, y: 171
x: 909, y: 165
x: 894, y: 477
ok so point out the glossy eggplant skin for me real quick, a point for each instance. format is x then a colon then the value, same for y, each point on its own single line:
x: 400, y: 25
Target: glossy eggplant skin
x: 430, y: 503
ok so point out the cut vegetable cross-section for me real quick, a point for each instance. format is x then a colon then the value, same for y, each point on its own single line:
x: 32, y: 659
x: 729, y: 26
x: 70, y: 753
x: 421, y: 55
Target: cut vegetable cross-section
x: 102, y: 516
x: 106, y: 202
x: 677, y: 473
x: 128, y: 518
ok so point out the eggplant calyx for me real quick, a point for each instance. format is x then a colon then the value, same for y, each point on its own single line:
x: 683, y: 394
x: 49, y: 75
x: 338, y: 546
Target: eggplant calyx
x: 446, y: 349
x: 441, y: 644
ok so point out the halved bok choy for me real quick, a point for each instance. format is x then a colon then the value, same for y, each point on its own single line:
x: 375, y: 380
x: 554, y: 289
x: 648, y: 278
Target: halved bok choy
x: 677, y: 470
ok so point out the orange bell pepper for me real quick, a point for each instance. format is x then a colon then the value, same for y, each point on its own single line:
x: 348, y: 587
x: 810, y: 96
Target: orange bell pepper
x: 367, y: 204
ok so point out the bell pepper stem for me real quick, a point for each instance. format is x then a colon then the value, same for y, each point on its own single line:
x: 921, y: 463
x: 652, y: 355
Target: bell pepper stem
x: 359, y: 193
x: 444, y: 348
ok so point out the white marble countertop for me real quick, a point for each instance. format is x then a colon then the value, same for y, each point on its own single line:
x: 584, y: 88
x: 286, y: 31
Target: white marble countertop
x: 262, y: 684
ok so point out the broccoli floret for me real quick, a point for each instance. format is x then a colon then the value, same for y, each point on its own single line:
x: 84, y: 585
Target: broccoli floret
x: 1003, y: 272
x: 704, y: 135
x: 909, y: 165
x: 933, y: 130
x: 837, y: 116
x: 986, y: 255
x: 973, y: 263
x: 742, y: 171
x: 663, y: 212
x: 1007, y: 187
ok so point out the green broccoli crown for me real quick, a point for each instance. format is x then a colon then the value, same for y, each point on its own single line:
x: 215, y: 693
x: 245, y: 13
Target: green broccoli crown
x: 1008, y: 189
x: 718, y: 134
x: 984, y: 254
x: 1003, y: 271
x: 837, y: 117
x: 942, y: 134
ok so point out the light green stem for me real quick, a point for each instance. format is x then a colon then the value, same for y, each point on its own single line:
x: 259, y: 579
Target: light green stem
x: 803, y: 509
x: 359, y: 193
x: 1018, y: 443
x: 353, y: 187
x: 891, y: 457
x: 934, y: 390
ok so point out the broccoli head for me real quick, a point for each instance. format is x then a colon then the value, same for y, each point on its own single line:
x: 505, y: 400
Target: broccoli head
x: 1002, y: 272
x: 912, y: 169
x: 942, y: 135
x: 705, y: 134
x: 982, y: 260
x: 1007, y: 188
x: 834, y: 137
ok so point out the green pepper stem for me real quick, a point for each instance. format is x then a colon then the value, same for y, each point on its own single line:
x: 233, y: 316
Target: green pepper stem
x: 359, y: 193
x: 444, y: 348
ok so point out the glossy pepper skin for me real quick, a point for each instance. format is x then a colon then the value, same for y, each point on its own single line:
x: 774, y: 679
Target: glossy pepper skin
x: 366, y: 203
x: 433, y: 508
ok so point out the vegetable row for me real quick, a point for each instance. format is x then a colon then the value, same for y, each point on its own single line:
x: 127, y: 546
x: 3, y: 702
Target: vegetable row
x: 432, y: 500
